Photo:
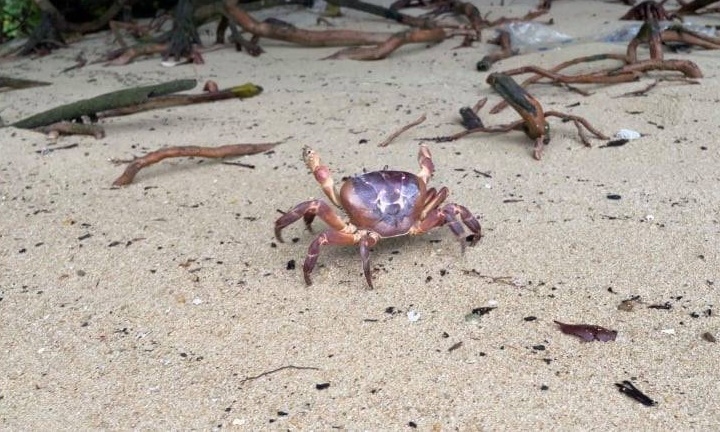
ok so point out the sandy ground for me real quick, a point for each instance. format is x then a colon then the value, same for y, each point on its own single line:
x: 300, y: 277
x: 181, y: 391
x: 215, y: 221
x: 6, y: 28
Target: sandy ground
x: 169, y: 305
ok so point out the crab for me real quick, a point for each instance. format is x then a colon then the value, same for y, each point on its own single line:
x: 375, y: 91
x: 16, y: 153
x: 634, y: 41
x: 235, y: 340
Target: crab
x: 379, y: 204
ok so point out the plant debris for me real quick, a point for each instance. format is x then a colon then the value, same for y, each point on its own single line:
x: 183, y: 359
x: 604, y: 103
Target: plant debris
x: 709, y: 337
x: 588, y: 332
x: 627, y: 388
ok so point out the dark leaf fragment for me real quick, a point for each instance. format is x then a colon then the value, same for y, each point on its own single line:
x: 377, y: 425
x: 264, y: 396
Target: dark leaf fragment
x: 588, y: 332
x: 627, y: 388
x: 616, y: 143
x: 480, y: 311
x: 470, y: 119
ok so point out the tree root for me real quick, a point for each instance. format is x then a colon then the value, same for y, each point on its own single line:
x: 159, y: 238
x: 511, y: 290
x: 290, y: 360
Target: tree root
x: 225, y: 151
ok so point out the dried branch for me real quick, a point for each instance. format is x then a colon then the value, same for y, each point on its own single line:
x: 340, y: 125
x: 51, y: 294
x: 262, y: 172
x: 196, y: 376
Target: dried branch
x: 394, y: 42
x: 315, y: 38
x: 503, y: 40
x: 225, y: 151
x: 402, y: 130
x: 92, y: 106
x: 277, y: 370
x: 8, y: 84
x: 243, y: 91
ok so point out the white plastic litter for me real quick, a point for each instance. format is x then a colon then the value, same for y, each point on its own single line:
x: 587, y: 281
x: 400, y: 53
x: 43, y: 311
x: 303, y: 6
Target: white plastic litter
x: 530, y: 36
x: 627, y: 134
x: 413, y: 316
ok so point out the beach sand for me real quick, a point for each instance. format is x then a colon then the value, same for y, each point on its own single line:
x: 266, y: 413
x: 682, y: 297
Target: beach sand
x: 168, y: 304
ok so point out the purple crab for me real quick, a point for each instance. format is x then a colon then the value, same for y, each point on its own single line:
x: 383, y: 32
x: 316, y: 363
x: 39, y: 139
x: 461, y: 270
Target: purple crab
x: 379, y: 204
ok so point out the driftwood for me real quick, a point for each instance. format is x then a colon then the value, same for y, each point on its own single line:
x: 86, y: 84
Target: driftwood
x: 8, y: 84
x: 316, y: 38
x: 420, y: 22
x: 130, y: 101
x: 403, y: 129
x: 225, y: 151
x: 504, y: 42
x: 243, y: 91
x: 383, y: 43
x: 107, y: 101
x: 384, y: 49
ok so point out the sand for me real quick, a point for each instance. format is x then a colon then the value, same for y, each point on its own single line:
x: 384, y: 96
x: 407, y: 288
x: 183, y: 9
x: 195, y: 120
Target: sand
x: 168, y: 304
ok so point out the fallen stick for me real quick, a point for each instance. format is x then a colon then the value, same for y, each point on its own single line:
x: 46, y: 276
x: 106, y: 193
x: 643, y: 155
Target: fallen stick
x: 401, y: 130
x: 107, y: 101
x: 387, y: 47
x: 225, y: 151
x: 384, y: 12
x: 125, y: 55
x: 266, y: 373
x: 241, y: 92
x: 7, y: 83
x: 503, y: 40
x: 317, y: 38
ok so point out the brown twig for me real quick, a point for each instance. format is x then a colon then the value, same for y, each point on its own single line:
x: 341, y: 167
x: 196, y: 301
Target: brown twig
x: 80, y: 61
x: 503, y: 40
x: 652, y: 85
x: 694, y: 7
x: 384, y: 43
x: 304, y: 37
x: 189, y: 151
x: 7, y: 83
x: 384, y: 49
x: 648, y: 10
x: 402, y: 130
x: 124, y: 56
x: 270, y: 372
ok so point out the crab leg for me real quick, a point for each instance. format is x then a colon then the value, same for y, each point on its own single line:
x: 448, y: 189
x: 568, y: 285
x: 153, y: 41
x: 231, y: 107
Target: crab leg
x: 452, y: 212
x: 321, y: 173
x: 308, y: 210
x: 433, y: 200
x: 329, y: 237
x: 366, y: 242
x: 427, y: 167
x: 448, y: 215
